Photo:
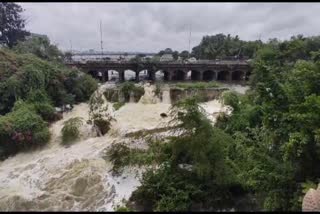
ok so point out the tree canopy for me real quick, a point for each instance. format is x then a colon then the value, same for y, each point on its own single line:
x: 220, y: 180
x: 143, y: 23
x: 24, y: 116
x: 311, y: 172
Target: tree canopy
x: 11, y: 24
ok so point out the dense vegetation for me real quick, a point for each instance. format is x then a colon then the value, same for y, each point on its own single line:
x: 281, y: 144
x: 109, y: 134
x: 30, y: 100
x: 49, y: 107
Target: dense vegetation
x: 29, y: 89
x: 70, y: 130
x: 261, y: 157
x: 11, y: 24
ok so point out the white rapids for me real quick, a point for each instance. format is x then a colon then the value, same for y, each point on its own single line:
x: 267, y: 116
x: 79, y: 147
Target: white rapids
x: 78, y: 178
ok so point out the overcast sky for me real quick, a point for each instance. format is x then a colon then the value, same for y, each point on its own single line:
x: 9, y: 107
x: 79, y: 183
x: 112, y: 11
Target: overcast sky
x: 155, y: 26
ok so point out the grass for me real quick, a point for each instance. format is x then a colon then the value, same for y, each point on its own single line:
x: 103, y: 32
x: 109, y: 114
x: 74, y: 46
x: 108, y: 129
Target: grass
x: 197, y: 85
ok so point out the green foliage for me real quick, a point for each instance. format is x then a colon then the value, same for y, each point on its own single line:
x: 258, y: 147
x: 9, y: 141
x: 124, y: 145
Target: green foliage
x: 70, y: 131
x: 220, y: 46
x: 12, y: 24
x: 192, y: 166
x: 21, y: 74
x: 22, y: 129
x: 123, y: 209
x: 103, y: 125
x: 184, y: 54
x: 198, y: 85
x: 275, y: 125
x: 127, y: 87
x: 118, y: 105
x: 39, y: 46
x: 232, y: 99
x: 98, y: 113
x: 42, y: 104
x: 121, y: 155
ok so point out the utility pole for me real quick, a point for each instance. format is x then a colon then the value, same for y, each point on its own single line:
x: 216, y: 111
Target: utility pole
x: 189, y: 41
x: 101, y: 37
x: 70, y: 46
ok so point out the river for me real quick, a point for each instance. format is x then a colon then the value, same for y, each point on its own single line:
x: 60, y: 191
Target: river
x: 78, y: 177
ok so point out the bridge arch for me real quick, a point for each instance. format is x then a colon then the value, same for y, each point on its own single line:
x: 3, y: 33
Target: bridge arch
x: 195, y: 75
x: 93, y: 73
x: 113, y: 75
x: 143, y: 74
x: 238, y: 75
x: 223, y: 75
x: 178, y: 75
x: 209, y: 75
x: 159, y: 75
x: 129, y: 75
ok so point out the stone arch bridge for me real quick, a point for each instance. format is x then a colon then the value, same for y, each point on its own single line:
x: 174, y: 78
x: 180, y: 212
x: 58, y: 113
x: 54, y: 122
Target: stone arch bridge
x: 201, y: 70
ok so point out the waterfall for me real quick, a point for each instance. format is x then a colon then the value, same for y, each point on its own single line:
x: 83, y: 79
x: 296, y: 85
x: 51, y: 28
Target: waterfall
x: 166, y: 95
x: 132, y: 99
x: 149, y: 96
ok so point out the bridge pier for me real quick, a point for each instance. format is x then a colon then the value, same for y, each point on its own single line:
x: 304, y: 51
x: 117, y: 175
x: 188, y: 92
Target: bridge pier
x: 170, y: 75
x: 229, y: 76
x: 201, y: 75
x: 105, y: 76
x: 151, y: 75
x: 121, y: 76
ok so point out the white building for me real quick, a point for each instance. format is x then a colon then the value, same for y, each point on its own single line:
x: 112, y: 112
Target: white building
x: 166, y: 57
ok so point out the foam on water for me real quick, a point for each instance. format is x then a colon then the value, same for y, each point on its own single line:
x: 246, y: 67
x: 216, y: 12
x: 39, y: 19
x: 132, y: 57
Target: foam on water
x: 58, y: 178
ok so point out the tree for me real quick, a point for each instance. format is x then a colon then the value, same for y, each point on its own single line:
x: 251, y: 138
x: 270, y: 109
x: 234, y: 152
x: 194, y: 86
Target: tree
x: 11, y: 24
x: 175, y: 55
x: 168, y: 51
x: 184, y: 54
x: 39, y: 46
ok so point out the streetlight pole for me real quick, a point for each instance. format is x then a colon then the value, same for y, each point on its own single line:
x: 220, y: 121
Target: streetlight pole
x: 101, y: 37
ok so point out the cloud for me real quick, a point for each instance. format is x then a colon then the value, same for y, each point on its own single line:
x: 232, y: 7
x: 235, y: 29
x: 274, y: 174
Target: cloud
x: 156, y: 26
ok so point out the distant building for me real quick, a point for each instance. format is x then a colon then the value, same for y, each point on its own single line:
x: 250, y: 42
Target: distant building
x: 36, y: 35
x: 166, y: 57
x: 192, y: 59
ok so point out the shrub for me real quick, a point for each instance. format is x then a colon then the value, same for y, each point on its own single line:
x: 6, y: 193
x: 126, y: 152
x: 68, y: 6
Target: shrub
x: 70, y: 130
x: 232, y: 99
x: 102, y: 124
x: 21, y: 74
x: 119, y: 155
x: 123, y: 209
x: 22, y: 129
x: 118, y: 105
x: 198, y: 85
x: 128, y: 87
x: 42, y: 104
x: 98, y: 113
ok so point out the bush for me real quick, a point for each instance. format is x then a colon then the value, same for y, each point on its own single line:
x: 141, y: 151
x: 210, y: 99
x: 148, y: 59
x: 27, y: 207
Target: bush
x: 198, y: 85
x: 232, y: 99
x: 22, y: 129
x: 42, y: 104
x: 102, y: 124
x: 98, y: 113
x: 20, y: 74
x: 118, y: 105
x: 119, y: 155
x: 123, y: 209
x: 128, y: 87
x: 70, y: 130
